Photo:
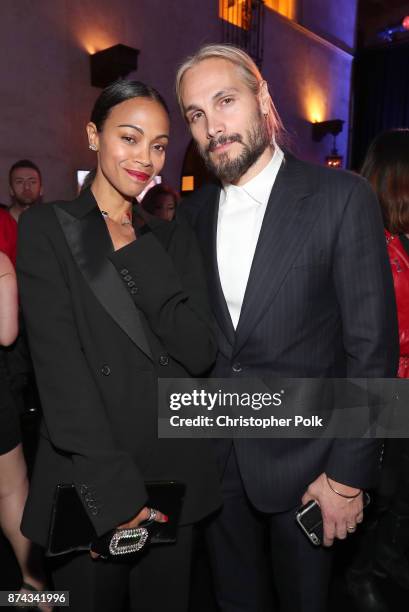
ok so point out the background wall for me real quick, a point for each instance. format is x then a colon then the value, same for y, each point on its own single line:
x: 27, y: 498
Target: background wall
x: 45, y: 90
x: 333, y: 19
x: 309, y: 83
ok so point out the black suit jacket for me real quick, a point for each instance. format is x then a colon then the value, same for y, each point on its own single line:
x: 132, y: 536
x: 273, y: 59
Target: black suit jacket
x: 319, y: 303
x: 102, y: 327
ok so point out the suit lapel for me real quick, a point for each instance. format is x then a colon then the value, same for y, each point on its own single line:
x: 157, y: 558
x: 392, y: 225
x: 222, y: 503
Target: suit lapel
x: 207, y: 235
x: 286, y: 225
x: 90, y: 244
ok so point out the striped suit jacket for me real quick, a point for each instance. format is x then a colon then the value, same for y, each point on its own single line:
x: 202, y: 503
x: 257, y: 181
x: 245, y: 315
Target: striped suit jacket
x: 319, y: 303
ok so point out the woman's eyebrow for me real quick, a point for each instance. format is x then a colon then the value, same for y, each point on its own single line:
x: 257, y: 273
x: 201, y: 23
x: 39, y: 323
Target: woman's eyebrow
x: 134, y: 127
x: 140, y: 130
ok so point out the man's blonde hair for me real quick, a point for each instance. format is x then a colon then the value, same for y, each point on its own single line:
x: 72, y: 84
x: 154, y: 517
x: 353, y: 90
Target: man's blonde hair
x: 248, y: 70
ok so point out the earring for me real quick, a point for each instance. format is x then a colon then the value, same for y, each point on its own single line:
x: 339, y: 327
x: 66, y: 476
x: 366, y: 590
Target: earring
x: 92, y: 147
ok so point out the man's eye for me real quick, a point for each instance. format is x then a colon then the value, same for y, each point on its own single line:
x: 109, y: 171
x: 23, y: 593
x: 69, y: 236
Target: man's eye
x: 195, y: 117
x: 227, y: 100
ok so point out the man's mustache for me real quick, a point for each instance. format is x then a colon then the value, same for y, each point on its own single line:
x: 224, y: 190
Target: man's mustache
x: 215, y: 142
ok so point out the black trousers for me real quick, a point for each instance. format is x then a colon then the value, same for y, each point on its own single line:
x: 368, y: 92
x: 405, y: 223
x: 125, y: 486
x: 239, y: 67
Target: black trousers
x: 249, y: 551
x: 158, y: 580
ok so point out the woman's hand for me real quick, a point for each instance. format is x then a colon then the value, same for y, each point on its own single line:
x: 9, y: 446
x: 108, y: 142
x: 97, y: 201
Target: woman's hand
x: 141, y: 517
x: 144, y: 515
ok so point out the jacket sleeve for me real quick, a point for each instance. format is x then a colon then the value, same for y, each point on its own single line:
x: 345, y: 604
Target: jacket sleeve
x: 107, y: 479
x: 168, y: 286
x: 364, y: 289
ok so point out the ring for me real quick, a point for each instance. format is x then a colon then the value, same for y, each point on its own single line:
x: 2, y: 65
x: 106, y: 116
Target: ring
x: 152, y: 515
x: 351, y: 529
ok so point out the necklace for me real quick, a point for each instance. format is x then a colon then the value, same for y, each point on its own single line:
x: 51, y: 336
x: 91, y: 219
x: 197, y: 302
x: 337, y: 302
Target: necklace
x: 126, y: 219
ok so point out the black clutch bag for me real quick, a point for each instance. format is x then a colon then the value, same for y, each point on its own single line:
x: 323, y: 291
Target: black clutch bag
x: 71, y: 529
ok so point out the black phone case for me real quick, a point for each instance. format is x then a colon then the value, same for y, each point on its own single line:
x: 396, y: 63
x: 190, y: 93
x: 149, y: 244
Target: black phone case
x: 309, y: 518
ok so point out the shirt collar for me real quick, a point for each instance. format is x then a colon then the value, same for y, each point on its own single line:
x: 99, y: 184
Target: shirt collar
x: 259, y: 187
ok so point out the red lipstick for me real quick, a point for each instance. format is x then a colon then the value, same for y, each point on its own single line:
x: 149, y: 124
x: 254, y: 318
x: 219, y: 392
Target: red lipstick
x: 140, y: 176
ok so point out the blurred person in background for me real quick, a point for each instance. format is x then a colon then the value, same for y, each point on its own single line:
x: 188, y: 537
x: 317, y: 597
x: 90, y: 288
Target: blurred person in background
x: 25, y: 185
x: 161, y: 201
x: 13, y: 473
x: 385, y: 542
x: 8, y: 234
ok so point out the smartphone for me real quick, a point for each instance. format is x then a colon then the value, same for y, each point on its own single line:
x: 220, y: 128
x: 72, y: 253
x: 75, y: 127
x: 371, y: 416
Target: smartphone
x: 309, y: 518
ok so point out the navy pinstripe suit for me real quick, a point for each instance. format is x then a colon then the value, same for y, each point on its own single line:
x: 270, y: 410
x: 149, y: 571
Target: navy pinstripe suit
x: 319, y: 303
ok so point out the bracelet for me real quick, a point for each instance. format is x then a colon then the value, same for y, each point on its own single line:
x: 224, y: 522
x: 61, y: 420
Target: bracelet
x: 343, y: 494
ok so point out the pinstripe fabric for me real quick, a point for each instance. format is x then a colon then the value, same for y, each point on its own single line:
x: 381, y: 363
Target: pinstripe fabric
x: 319, y: 303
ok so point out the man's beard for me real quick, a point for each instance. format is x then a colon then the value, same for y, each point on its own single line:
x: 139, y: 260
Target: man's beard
x: 230, y: 170
x: 25, y: 202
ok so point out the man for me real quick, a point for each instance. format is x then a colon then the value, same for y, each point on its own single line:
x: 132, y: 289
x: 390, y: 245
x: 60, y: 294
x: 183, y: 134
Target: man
x: 301, y: 287
x: 25, y: 186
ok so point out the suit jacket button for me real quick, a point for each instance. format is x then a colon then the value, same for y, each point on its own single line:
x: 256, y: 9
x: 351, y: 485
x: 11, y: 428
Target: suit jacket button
x: 164, y: 360
x: 131, y: 283
x: 105, y: 370
x: 134, y: 290
x: 128, y: 277
x: 124, y: 271
x: 236, y: 367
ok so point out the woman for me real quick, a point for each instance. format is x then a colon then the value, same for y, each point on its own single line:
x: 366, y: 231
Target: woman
x: 161, y: 201
x: 13, y: 472
x: 109, y: 309
x: 386, y: 542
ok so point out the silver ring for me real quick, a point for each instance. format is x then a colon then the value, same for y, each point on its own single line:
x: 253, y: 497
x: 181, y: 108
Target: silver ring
x: 152, y: 515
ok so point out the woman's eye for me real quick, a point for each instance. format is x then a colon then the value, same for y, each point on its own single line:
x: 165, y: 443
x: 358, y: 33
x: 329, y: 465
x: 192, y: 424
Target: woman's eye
x: 129, y: 139
x: 160, y: 148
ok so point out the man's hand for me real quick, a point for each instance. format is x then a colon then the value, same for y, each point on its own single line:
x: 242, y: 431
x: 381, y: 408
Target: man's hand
x: 340, y: 515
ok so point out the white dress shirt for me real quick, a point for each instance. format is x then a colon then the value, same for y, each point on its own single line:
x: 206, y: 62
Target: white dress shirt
x: 241, y: 213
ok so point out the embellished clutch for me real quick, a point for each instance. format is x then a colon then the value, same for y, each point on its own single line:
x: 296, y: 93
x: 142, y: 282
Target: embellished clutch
x: 72, y: 530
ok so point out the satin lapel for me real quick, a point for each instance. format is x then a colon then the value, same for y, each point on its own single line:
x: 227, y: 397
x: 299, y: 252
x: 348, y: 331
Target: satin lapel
x: 206, y: 229
x: 286, y: 225
x: 90, y: 244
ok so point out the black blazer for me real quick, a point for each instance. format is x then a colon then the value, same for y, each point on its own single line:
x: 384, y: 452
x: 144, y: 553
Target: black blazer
x: 102, y: 327
x: 319, y: 303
